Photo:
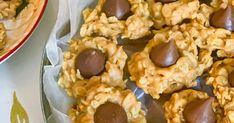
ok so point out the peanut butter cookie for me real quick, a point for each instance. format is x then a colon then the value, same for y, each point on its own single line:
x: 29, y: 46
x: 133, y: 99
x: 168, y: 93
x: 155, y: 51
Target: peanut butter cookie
x: 104, y: 104
x: 221, y: 77
x: 190, y: 106
x: 91, y: 61
x: 170, y: 61
x: 111, y: 18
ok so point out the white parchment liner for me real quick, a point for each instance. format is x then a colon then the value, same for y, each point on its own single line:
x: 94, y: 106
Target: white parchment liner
x: 69, y: 18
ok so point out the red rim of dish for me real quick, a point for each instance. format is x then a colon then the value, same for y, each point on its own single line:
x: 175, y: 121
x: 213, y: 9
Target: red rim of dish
x: 9, y: 53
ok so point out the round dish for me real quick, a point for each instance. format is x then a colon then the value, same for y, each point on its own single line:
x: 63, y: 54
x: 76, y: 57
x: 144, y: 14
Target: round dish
x: 13, y: 40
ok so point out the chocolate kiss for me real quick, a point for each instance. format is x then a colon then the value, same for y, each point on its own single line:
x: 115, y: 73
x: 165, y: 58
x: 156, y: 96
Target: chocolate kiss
x: 121, y: 9
x: 165, y: 1
x: 90, y: 62
x: 223, y: 18
x: 165, y: 54
x: 200, y: 111
x: 231, y: 78
x: 110, y: 113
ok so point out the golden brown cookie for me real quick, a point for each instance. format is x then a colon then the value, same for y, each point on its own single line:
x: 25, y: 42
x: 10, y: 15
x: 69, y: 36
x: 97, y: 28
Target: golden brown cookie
x: 221, y: 77
x: 218, y: 40
x: 217, y: 13
x: 159, y: 69
x: 191, y: 106
x: 107, y: 20
x: 83, y: 68
x: 172, y: 13
x: 102, y: 102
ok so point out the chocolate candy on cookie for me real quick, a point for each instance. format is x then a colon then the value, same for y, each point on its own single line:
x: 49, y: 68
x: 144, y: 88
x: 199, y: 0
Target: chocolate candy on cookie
x: 90, y: 62
x: 121, y: 9
x: 165, y: 54
x: 200, y: 111
x: 191, y: 106
x: 110, y: 113
x: 223, y: 18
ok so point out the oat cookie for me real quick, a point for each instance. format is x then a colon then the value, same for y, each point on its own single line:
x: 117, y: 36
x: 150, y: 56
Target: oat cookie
x: 178, y: 11
x: 2, y: 36
x: 221, y: 77
x: 174, y: 12
x: 136, y: 25
x: 213, y: 39
x: 190, y: 106
x: 219, y: 40
x: 74, y: 79
x: 8, y: 8
x: 183, y: 68
x: 89, y: 109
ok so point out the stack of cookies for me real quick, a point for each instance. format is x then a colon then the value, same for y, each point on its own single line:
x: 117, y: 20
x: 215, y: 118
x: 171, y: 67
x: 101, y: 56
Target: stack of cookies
x: 189, y: 38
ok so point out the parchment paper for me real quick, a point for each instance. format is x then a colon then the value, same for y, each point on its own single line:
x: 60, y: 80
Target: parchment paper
x: 67, y: 26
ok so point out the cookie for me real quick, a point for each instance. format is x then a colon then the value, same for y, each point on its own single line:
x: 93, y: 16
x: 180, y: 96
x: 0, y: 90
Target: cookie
x: 190, y: 106
x: 218, y: 40
x: 170, y: 61
x: 111, y: 18
x: 105, y: 104
x: 90, y: 61
x: 8, y: 8
x: 2, y: 36
x: 221, y: 78
x: 173, y: 12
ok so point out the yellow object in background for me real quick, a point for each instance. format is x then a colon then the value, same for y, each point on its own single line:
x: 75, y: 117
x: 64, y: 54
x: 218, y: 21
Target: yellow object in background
x: 18, y: 113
